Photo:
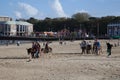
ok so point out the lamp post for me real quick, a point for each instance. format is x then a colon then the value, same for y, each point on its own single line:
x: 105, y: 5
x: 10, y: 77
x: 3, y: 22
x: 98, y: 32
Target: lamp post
x: 96, y: 21
x: 97, y: 29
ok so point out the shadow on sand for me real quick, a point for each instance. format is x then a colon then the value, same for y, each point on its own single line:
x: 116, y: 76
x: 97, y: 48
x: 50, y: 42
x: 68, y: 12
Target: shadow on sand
x: 14, y: 57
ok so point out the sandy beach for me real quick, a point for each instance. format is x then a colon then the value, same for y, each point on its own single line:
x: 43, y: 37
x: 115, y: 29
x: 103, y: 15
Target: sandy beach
x: 64, y: 63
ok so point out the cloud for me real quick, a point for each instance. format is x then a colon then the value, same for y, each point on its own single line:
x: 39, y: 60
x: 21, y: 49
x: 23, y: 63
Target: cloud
x: 24, y: 10
x: 28, y: 9
x: 58, y: 8
x: 18, y: 14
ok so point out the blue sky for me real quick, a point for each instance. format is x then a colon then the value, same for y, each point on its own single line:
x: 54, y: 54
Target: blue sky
x: 57, y: 8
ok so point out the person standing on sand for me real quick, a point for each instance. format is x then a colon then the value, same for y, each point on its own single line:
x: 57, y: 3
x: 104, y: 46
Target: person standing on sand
x: 31, y: 51
x: 38, y: 50
x: 109, y: 47
x: 96, y: 46
x: 88, y: 47
x: 83, y: 46
x: 18, y: 43
x: 46, y: 47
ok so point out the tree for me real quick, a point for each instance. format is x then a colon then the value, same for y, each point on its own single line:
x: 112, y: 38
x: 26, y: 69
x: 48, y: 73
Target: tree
x: 32, y: 20
x: 81, y: 16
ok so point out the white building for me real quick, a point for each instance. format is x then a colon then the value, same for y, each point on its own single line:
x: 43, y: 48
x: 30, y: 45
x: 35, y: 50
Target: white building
x: 14, y: 28
x: 113, y: 29
x: 5, y: 18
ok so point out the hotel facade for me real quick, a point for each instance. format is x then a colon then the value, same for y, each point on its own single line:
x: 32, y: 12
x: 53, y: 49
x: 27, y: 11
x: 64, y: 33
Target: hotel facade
x: 14, y: 28
x: 113, y: 29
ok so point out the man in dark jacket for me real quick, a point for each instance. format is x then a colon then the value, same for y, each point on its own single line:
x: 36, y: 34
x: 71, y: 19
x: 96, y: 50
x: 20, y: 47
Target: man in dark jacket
x: 109, y: 47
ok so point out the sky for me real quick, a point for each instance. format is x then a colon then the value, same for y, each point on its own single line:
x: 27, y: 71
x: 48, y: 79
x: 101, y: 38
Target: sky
x: 41, y: 9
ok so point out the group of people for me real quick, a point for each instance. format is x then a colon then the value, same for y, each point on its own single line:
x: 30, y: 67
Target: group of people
x: 95, y: 48
x: 36, y: 51
x: 88, y: 48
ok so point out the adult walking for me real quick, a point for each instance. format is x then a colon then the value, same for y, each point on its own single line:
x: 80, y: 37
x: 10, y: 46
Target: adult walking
x: 109, y: 47
x: 46, y: 47
x: 88, y: 47
x: 96, y: 46
x: 38, y: 49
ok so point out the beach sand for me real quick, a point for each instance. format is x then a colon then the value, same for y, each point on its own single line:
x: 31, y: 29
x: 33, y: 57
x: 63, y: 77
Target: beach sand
x: 64, y: 63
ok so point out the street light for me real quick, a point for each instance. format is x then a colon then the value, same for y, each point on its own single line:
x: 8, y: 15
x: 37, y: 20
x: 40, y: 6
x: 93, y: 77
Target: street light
x: 97, y: 29
x: 96, y: 19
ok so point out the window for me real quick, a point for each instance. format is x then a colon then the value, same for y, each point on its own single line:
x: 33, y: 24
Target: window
x: 21, y: 27
x: 5, y: 28
x: 24, y: 28
x: 17, y: 28
x: 8, y: 27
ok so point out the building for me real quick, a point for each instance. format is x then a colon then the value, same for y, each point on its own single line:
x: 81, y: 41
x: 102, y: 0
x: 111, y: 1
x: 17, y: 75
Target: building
x: 5, y: 18
x: 14, y: 28
x: 113, y: 29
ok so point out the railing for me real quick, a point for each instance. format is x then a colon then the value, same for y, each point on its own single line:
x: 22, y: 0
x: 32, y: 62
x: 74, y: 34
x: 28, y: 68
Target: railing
x: 46, y: 38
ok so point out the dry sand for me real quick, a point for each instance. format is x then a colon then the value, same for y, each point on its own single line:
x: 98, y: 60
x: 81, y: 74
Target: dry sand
x: 64, y: 63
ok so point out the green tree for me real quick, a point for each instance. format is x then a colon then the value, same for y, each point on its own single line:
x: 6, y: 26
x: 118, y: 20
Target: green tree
x: 81, y: 16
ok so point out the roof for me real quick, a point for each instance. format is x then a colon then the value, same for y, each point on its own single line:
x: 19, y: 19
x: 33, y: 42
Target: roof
x: 10, y: 22
x: 15, y: 22
x: 23, y: 23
